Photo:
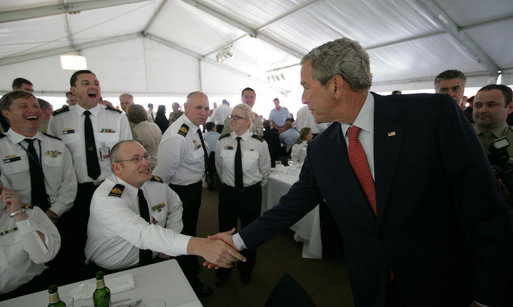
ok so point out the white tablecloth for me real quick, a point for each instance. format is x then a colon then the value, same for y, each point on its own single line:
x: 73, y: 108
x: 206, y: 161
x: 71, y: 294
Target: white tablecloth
x: 164, y: 280
x: 308, y: 229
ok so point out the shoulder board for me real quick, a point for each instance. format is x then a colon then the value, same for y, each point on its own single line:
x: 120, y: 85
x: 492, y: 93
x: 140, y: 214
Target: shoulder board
x: 27, y: 206
x: 117, y: 190
x: 224, y: 135
x: 183, y: 130
x: 261, y: 139
x: 61, y: 110
x: 2, y: 135
x: 112, y: 109
x: 157, y: 178
x: 53, y: 137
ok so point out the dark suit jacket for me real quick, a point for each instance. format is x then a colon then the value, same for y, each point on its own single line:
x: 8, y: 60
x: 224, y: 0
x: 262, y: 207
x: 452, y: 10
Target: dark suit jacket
x: 442, y: 226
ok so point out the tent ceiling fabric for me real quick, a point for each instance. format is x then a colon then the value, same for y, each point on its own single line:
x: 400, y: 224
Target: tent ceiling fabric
x: 169, y: 47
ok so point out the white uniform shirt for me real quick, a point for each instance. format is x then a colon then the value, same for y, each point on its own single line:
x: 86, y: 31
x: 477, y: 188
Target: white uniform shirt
x: 109, y: 125
x: 22, y: 252
x: 298, y: 152
x: 116, y: 231
x: 180, y: 156
x: 305, y: 118
x: 256, y: 162
x: 220, y: 114
x: 60, y: 178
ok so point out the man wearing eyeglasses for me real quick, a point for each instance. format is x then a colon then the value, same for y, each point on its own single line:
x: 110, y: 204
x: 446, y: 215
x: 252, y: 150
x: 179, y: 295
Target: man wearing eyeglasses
x: 136, y: 218
x: 182, y: 157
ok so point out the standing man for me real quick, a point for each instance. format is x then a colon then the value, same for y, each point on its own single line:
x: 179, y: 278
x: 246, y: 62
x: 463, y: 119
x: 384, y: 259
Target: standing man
x: 151, y: 113
x: 452, y: 82
x: 182, y: 157
x: 278, y: 115
x: 399, y: 174
x: 176, y: 113
x: 126, y: 100
x: 46, y: 112
x: 248, y: 96
x: 22, y: 84
x: 89, y: 131
x: 220, y: 115
x: 37, y: 166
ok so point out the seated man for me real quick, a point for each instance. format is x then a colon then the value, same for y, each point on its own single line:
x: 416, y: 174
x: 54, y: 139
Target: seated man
x: 135, y: 216
x: 28, y: 239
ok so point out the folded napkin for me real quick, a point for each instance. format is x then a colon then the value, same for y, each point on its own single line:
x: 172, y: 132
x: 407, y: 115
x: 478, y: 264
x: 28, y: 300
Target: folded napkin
x: 85, y: 289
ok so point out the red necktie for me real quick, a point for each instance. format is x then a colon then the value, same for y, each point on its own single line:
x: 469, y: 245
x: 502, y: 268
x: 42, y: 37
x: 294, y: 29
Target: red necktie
x: 361, y: 166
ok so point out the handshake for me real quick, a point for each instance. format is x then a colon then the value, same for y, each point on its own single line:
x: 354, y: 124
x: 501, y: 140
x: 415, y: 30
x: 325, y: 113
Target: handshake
x: 218, y: 250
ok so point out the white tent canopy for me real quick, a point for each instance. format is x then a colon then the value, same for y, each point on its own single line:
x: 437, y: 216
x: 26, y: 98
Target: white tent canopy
x: 169, y: 47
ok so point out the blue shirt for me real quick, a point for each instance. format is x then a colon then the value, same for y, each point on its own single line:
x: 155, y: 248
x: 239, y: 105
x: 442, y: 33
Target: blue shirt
x: 211, y: 138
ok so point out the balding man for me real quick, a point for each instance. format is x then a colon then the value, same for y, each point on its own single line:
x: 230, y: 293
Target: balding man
x: 181, y: 162
x: 126, y: 100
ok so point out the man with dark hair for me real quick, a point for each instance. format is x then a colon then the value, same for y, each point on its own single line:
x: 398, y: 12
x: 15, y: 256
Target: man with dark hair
x: 396, y: 92
x: 151, y: 113
x: 452, y: 82
x: 399, y: 174
x: 22, y: 84
x: 89, y: 130
x: 278, y: 115
x: 248, y: 97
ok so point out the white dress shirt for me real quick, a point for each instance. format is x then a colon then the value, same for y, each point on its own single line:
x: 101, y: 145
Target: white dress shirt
x: 256, y: 162
x: 22, y: 252
x: 304, y: 118
x: 180, y: 156
x: 298, y: 152
x: 116, y: 231
x: 109, y: 125
x: 220, y: 114
x: 60, y: 178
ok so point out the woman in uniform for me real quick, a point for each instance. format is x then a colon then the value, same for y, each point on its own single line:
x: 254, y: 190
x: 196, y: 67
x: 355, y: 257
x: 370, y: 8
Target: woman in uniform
x: 243, y: 164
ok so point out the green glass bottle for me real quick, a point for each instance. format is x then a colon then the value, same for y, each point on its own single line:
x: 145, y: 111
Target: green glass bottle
x: 101, y: 296
x: 54, y: 297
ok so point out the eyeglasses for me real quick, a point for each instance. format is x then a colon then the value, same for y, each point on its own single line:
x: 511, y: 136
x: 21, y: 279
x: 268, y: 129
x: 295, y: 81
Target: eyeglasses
x: 236, y: 117
x: 137, y: 159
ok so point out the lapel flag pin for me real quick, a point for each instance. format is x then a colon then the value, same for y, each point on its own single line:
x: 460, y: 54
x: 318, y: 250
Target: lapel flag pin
x: 391, y: 133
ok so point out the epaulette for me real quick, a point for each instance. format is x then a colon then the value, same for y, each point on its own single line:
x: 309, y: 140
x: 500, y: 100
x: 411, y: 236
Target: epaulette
x: 112, y: 109
x: 183, y: 130
x: 53, y: 137
x: 61, y: 110
x: 261, y: 139
x: 224, y: 135
x: 2, y: 135
x: 117, y: 190
x: 157, y: 178
x: 27, y: 206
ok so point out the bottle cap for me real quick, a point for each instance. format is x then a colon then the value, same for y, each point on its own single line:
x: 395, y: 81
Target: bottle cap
x: 52, y: 289
x: 99, y: 275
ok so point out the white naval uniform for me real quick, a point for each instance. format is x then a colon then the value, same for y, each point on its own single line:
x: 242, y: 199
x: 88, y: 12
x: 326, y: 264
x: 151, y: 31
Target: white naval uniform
x: 60, y: 178
x: 180, y: 156
x: 298, y: 152
x: 109, y: 125
x: 116, y: 231
x: 256, y: 162
x: 22, y: 252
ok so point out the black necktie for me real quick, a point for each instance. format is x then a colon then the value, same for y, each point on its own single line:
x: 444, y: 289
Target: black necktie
x: 145, y: 255
x: 93, y: 166
x: 37, y: 179
x: 205, y: 155
x: 239, y: 184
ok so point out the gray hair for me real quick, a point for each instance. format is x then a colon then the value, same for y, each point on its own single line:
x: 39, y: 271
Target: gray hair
x: 343, y: 57
x: 448, y: 75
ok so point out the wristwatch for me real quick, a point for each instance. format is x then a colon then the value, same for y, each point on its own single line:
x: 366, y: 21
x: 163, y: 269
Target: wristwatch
x: 13, y: 214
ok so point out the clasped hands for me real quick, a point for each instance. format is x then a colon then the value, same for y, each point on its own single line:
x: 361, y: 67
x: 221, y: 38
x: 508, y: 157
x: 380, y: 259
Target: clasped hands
x: 222, y: 251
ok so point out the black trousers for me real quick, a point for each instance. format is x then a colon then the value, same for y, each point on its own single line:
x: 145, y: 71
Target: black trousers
x: 190, y: 195
x: 69, y: 264
x: 245, y: 205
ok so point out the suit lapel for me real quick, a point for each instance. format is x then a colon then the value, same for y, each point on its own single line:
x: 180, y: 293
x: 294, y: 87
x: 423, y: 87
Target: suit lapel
x: 388, y: 136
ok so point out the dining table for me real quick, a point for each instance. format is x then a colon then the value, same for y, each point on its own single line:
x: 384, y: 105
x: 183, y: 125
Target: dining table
x: 158, y: 284
x: 308, y: 229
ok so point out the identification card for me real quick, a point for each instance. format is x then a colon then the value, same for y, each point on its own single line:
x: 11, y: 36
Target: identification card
x: 105, y: 152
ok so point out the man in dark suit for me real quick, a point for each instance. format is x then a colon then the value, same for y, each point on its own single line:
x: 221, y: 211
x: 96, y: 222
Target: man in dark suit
x: 419, y: 210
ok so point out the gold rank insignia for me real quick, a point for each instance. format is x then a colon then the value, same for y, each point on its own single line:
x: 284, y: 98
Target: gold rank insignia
x: 157, y: 178
x: 183, y: 130
x: 117, y: 190
x: 27, y: 206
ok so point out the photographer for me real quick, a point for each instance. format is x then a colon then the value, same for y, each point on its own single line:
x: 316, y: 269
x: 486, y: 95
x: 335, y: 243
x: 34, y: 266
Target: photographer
x: 492, y: 105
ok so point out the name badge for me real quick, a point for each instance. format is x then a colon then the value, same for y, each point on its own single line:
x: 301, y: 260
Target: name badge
x: 68, y: 131
x: 105, y: 152
x: 10, y: 159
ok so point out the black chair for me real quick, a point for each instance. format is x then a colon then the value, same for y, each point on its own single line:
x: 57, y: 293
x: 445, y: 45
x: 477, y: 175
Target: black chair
x: 288, y: 292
